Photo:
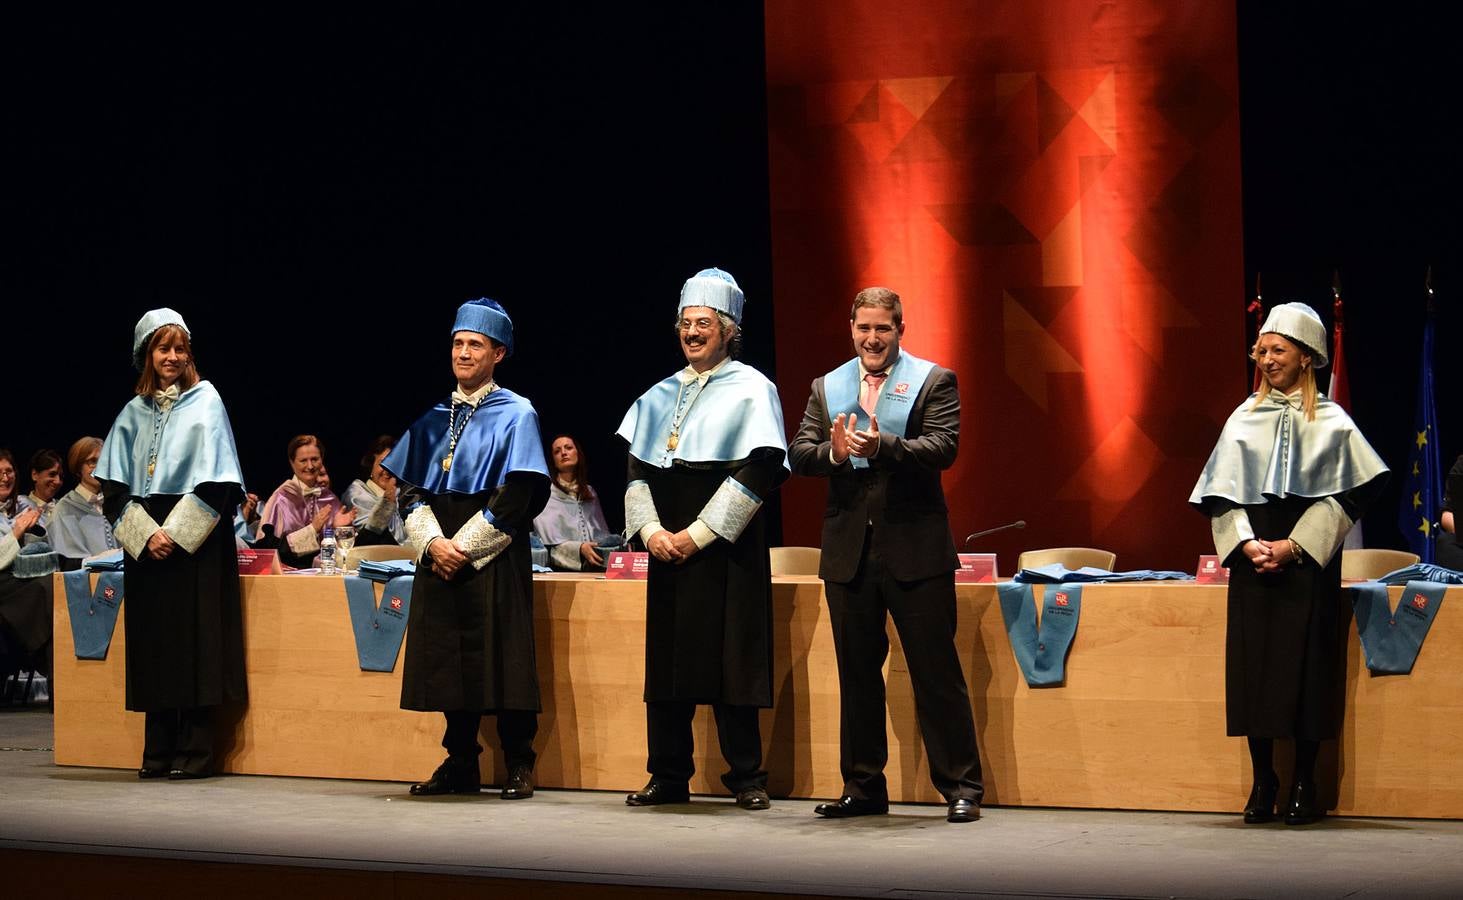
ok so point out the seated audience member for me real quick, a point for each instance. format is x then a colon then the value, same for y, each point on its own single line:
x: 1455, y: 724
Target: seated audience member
x: 45, y: 476
x: 12, y: 503
x: 1449, y: 552
x: 25, y: 603
x: 298, y: 511
x: 572, y: 525
x: 246, y: 521
x: 78, y: 527
x: 373, y: 497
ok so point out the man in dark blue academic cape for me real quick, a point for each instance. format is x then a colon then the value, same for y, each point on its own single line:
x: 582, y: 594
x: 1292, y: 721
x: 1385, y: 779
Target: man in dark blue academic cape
x: 472, y: 478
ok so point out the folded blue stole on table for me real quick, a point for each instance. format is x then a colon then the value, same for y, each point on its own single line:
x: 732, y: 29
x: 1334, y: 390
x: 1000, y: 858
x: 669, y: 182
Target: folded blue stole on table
x: 93, y: 613
x: 1041, y: 651
x: 1422, y: 572
x: 1056, y: 573
x: 1389, y: 640
x: 379, y: 630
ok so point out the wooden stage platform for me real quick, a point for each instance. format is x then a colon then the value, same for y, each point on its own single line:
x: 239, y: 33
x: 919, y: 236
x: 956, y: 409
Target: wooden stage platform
x: 1139, y: 723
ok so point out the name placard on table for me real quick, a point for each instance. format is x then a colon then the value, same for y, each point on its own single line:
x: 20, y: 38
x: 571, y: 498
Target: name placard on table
x: 976, y: 568
x: 258, y: 562
x: 623, y: 564
x: 1211, y: 570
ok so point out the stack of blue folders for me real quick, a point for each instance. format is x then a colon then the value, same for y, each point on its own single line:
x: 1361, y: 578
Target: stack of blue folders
x: 386, y: 569
x: 110, y: 561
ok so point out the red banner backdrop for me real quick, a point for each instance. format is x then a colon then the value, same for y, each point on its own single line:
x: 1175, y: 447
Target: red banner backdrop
x: 1054, y: 190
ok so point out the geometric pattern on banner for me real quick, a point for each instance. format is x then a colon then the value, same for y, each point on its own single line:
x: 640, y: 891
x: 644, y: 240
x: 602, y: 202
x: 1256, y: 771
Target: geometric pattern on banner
x: 1061, y: 214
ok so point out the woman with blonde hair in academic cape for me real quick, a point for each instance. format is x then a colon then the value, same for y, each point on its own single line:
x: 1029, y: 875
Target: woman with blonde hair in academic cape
x: 169, y: 470
x: 1290, y: 475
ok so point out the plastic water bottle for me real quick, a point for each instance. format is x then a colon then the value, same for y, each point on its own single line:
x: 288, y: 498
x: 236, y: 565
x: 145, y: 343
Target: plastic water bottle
x: 327, y: 552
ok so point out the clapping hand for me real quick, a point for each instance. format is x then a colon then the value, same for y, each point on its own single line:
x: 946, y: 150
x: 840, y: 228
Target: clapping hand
x: 24, y: 521
x: 864, y: 443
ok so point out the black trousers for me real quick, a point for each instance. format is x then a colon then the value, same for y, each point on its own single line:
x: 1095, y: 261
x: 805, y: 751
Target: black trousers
x: 180, y: 739
x: 516, y: 731
x: 668, y: 732
x: 924, y: 615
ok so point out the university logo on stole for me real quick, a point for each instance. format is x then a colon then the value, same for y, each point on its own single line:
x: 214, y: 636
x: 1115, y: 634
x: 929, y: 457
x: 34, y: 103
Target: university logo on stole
x: 901, y: 388
x: 110, y: 593
x: 396, y: 603
x: 1419, y: 602
x: 1062, y: 599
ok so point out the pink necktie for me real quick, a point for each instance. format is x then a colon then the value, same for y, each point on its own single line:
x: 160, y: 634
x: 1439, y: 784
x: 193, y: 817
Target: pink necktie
x: 873, y: 381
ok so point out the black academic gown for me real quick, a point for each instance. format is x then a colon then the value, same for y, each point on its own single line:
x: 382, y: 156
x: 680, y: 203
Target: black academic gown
x: 469, y: 641
x: 184, y: 619
x: 708, y: 621
x: 1285, y: 640
x: 25, y: 617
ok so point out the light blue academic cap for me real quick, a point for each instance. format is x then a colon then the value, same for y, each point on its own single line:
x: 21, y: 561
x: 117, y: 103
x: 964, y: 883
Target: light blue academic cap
x: 150, y: 322
x: 716, y: 289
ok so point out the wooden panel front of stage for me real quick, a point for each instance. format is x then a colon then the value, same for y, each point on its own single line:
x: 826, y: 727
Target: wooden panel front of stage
x: 1139, y: 723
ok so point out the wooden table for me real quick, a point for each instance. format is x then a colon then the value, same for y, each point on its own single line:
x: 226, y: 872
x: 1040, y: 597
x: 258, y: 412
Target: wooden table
x: 1139, y: 723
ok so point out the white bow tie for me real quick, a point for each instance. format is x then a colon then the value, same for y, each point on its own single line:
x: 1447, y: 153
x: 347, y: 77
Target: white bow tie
x: 166, y: 398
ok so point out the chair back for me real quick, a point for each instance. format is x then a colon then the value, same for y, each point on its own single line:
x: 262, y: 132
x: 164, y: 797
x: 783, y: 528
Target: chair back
x: 795, y: 560
x: 1071, y: 557
x: 1373, y: 563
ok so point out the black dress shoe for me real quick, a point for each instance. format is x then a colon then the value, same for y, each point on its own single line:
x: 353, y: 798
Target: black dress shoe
x: 450, y: 778
x: 1260, y: 808
x: 963, y: 809
x: 520, y: 784
x: 185, y: 775
x: 145, y: 773
x: 848, y: 807
x: 753, y: 798
x: 658, y: 792
x: 1303, y: 808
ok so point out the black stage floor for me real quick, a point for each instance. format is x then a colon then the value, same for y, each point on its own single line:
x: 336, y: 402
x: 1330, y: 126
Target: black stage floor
x: 73, y: 831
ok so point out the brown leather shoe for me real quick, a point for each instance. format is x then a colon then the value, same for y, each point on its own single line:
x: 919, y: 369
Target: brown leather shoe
x: 519, y: 785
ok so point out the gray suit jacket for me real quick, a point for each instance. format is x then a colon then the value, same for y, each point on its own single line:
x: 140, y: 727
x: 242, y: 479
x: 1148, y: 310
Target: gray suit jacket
x: 899, y: 494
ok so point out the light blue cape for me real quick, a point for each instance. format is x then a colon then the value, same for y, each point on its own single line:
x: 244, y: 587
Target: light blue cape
x: 196, y: 446
x: 737, y: 413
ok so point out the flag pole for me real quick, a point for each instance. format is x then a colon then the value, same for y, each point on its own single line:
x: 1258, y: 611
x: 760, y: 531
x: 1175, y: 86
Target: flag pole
x: 1256, y: 311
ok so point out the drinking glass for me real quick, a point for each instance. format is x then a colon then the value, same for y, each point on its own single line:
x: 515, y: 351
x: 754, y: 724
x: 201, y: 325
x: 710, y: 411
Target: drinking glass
x: 345, y: 539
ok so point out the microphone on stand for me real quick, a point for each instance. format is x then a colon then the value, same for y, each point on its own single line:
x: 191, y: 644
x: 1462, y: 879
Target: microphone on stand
x: 1019, y: 523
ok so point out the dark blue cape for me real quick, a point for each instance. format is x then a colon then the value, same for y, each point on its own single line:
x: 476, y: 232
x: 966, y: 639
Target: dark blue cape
x: 501, y: 437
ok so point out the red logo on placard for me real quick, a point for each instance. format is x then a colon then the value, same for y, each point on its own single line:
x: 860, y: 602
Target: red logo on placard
x: 1419, y: 602
x: 109, y: 593
x: 396, y: 603
x: 901, y: 388
x: 1062, y: 599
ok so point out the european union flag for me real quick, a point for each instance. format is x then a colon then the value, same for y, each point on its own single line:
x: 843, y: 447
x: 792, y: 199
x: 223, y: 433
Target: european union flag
x: 1423, y: 477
